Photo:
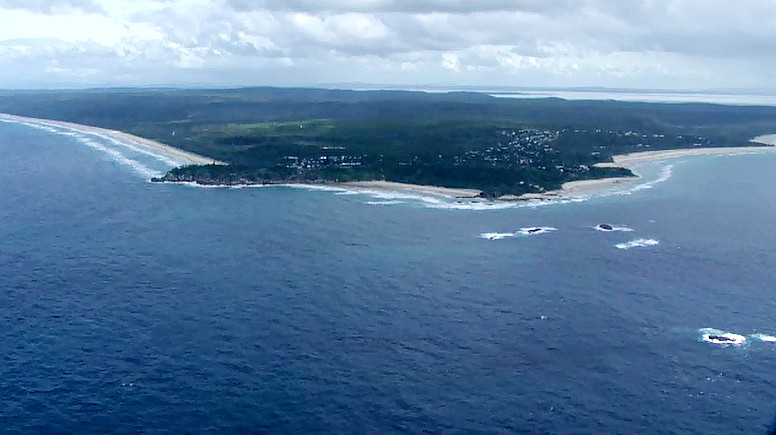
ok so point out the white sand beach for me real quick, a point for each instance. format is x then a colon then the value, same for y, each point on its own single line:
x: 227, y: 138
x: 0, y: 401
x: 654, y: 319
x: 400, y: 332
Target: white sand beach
x: 185, y: 157
x: 632, y: 159
x: 414, y: 188
x: 573, y: 188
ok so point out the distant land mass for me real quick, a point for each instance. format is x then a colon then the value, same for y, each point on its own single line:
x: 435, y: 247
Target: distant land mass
x: 465, y: 140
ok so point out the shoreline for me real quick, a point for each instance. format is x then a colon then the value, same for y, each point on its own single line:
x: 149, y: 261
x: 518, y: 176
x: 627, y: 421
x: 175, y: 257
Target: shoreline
x: 630, y: 160
x: 765, y: 144
x: 457, y: 193
x: 149, y: 145
x: 571, y: 188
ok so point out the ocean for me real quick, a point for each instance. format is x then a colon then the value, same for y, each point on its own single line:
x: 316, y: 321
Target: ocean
x: 127, y: 306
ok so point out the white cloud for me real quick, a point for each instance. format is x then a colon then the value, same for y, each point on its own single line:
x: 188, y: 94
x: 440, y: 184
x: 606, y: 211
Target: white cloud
x: 52, y: 7
x: 451, y: 61
x: 639, y: 43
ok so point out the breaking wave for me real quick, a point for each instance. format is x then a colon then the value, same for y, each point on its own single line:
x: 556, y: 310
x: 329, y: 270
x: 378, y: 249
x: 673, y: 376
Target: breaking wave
x: 528, y: 231
x: 764, y: 337
x: 665, y: 174
x: 721, y: 338
x: 392, y: 202
x: 120, y: 158
x: 614, y: 228
x: 496, y: 236
x: 638, y: 243
x: 445, y: 203
x: 117, y: 150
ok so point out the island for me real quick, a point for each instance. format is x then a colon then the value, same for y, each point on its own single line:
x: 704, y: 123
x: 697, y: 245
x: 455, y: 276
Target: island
x: 473, y: 143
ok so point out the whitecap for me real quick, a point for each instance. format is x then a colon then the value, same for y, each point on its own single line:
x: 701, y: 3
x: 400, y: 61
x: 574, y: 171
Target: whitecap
x: 496, y: 236
x: 722, y: 338
x: 764, y: 337
x: 530, y: 231
x: 638, y: 243
x: 614, y: 228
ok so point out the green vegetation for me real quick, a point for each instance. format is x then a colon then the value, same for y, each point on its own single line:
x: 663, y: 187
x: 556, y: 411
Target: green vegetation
x: 500, y: 146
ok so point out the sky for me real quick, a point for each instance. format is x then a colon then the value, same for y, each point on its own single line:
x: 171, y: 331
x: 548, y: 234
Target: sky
x: 644, y: 44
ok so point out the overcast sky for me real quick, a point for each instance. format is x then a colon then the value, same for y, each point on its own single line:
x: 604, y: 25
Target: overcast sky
x: 679, y: 44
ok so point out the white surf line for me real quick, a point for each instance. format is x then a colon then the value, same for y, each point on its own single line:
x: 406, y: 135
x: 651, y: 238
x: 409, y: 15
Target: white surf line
x: 605, y: 228
x: 85, y: 139
x: 151, y: 147
x: 158, y: 156
x: 764, y: 337
x: 120, y: 158
x: 638, y: 243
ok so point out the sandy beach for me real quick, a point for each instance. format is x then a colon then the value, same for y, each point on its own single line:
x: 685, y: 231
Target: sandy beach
x: 574, y: 188
x: 414, y: 188
x: 185, y: 157
x: 632, y: 159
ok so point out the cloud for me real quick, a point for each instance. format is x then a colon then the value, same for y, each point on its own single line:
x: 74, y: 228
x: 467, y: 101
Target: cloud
x: 639, y: 43
x: 53, y: 7
x: 400, y: 6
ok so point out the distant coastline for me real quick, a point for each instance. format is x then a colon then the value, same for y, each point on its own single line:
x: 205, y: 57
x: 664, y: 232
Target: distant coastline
x: 568, y: 189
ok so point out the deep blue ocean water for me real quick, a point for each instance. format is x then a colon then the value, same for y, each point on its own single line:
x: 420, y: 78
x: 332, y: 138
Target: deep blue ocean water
x: 127, y: 306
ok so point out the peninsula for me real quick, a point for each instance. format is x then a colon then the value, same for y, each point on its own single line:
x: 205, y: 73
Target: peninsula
x: 471, y: 143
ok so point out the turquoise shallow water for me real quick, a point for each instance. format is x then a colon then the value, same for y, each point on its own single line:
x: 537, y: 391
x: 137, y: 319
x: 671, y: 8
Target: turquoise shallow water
x: 129, y: 306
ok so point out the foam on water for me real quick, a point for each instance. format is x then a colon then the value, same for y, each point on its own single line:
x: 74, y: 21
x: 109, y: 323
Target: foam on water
x: 530, y: 231
x: 665, y: 174
x: 318, y: 187
x: 764, y: 337
x: 131, y: 145
x: 399, y: 197
x: 720, y: 337
x: 527, y: 231
x: 392, y: 202
x: 496, y: 236
x: 100, y: 142
x: 638, y: 243
x: 120, y: 158
x: 615, y: 228
x: 445, y: 203
x: 479, y: 205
